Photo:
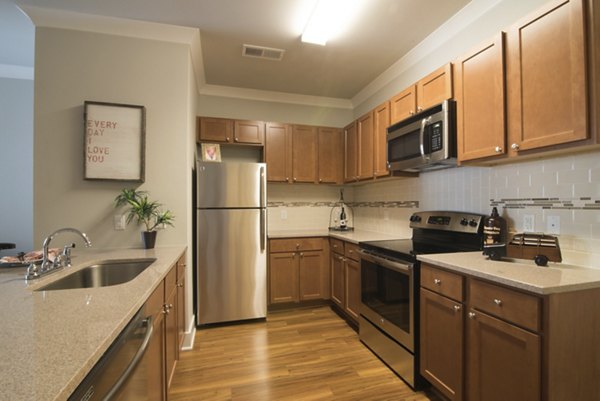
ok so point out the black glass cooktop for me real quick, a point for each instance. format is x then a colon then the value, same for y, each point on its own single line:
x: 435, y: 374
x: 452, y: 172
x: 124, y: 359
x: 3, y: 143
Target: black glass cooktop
x: 408, y: 249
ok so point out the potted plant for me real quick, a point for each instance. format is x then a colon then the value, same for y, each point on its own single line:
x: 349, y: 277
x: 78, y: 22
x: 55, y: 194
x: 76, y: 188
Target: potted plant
x: 145, y: 211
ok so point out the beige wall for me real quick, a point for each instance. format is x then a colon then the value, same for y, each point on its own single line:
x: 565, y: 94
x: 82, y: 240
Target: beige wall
x: 74, y: 66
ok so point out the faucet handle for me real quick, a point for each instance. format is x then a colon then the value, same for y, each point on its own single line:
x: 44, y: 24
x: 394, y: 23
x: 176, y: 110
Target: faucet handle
x: 65, y: 257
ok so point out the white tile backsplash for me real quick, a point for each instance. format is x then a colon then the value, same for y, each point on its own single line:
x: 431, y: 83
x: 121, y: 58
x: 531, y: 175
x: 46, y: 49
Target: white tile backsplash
x: 566, y: 178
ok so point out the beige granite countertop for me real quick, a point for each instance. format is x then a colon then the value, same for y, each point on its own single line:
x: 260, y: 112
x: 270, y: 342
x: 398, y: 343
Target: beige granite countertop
x: 51, y: 339
x: 355, y: 236
x: 518, y: 273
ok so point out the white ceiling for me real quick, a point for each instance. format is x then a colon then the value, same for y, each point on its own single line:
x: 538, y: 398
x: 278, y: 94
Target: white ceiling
x: 384, y: 31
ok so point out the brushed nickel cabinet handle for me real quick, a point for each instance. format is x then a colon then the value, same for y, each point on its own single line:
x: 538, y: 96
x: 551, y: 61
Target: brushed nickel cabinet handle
x: 437, y: 281
x: 227, y: 139
x: 514, y: 146
x: 498, y: 301
x: 472, y: 315
x: 498, y: 149
x: 457, y: 308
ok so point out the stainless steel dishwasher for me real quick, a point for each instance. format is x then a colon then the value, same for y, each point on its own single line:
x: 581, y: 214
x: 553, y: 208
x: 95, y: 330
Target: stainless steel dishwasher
x: 122, y: 372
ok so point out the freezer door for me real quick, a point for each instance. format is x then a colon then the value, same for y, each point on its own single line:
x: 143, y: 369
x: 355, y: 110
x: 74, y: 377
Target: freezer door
x: 231, y: 185
x: 232, y: 265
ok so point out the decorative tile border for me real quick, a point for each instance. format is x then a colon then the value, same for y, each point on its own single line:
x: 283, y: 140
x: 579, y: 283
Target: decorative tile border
x: 584, y: 203
x: 386, y: 204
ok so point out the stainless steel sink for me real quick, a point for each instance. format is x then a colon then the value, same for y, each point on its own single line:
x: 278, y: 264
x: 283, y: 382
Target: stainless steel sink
x: 103, y: 274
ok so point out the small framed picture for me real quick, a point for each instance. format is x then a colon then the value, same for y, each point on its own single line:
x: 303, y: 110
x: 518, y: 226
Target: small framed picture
x: 211, y: 152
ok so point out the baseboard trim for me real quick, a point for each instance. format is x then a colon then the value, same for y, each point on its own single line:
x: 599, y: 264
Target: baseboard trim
x: 190, y: 336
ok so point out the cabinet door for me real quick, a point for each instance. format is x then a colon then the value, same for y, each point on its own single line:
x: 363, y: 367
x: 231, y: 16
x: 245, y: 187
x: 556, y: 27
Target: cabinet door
x: 442, y: 344
x: 338, y: 295
x: 278, y: 152
x: 154, y: 360
x: 283, y: 277
x: 351, y: 153
x: 180, y: 302
x: 434, y: 88
x: 403, y: 105
x: 547, y: 88
x: 304, y: 153
x: 479, y: 88
x: 251, y: 132
x: 216, y: 130
x: 330, y: 155
x: 365, y: 146
x: 311, y: 266
x: 381, y: 121
x: 503, y: 361
x: 352, y: 276
x: 171, y: 336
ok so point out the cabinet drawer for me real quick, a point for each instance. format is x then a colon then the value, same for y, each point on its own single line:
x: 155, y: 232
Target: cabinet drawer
x: 516, y: 307
x: 442, y: 282
x: 296, y: 244
x: 351, y: 251
x: 337, y: 246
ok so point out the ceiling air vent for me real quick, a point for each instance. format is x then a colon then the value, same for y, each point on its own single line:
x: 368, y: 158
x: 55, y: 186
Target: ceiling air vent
x: 268, y: 53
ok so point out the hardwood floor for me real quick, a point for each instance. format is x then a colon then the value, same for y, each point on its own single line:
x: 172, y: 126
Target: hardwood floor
x: 306, y: 354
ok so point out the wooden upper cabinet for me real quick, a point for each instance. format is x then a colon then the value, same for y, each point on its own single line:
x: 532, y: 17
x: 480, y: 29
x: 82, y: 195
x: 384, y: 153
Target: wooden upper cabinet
x: 429, y: 91
x: 226, y: 130
x: 304, y: 153
x: 381, y: 121
x: 252, y: 132
x: 278, y: 152
x: 365, y: 146
x: 480, y: 99
x: 330, y: 155
x: 215, y: 129
x: 403, y: 105
x: 547, y: 96
x: 351, y: 152
x: 434, y: 88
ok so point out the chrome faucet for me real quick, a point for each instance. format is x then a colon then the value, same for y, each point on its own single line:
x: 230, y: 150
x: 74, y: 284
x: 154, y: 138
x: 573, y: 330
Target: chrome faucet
x: 62, y: 260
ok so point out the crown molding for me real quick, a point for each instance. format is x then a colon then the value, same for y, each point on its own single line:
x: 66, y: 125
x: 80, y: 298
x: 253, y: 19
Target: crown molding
x: 276, y: 97
x: 464, y: 17
x: 16, y: 72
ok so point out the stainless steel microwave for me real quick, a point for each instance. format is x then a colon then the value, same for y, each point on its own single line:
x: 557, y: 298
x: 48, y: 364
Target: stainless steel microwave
x: 425, y: 141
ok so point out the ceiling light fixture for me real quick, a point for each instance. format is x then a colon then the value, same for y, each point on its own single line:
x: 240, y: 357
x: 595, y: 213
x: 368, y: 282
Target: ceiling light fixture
x: 328, y: 19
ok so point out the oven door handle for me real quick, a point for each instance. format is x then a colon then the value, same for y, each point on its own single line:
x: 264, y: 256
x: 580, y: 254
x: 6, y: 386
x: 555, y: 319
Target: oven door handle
x: 393, y: 265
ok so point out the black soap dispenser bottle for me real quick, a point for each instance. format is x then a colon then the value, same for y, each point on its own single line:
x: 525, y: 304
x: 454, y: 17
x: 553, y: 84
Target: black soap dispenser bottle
x: 494, y: 236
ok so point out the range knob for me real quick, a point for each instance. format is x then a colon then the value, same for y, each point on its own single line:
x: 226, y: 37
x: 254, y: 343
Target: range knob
x: 415, y: 218
x: 473, y: 223
x: 464, y: 221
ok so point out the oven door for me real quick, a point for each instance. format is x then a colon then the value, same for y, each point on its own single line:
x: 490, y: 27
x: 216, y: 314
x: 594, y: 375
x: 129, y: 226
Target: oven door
x: 387, y: 298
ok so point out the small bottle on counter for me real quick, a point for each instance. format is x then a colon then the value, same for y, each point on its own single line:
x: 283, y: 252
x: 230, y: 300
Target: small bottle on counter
x: 494, y: 235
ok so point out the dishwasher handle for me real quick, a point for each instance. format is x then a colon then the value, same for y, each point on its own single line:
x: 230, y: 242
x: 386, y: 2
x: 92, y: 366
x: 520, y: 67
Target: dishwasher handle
x: 134, y: 362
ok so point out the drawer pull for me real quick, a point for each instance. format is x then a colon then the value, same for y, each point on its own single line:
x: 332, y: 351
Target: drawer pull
x: 498, y: 301
x: 457, y: 308
x: 437, y: 281
x: 297, y: 245
x: 472, y: 315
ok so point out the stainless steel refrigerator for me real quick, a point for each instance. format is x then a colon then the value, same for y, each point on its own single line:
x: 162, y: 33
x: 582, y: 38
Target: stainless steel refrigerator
x: 232, y: 242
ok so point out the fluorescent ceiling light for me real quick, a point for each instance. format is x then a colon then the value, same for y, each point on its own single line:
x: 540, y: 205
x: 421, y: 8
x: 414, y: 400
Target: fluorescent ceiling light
x: 328, y: 19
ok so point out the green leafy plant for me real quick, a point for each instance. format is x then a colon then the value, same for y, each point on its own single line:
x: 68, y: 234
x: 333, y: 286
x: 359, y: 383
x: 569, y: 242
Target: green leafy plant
x: 142, y: 209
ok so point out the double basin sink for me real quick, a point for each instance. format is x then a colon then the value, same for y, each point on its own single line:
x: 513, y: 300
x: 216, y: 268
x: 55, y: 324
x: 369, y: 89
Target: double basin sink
x: 101, y: 274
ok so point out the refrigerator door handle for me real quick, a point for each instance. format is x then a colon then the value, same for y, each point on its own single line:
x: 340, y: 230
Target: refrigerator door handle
x: 262, y: 187
x: 263, y: 226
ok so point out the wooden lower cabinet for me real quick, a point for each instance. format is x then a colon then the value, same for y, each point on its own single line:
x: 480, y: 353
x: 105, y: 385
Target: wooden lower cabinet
x: 442, y: 343
x: 504, y: 361
x: 163, y: 350
x: 516, y: 345
x: 298, y: 270
x: 345, y: 278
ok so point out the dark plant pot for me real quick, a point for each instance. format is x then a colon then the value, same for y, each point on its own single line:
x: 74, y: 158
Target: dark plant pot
x: 149, y: 238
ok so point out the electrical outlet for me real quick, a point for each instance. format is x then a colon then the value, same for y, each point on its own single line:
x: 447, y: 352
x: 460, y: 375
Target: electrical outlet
x: 528, y: 223
x: 553, y: 224
x: 119, y: 222
x: 283, y: 213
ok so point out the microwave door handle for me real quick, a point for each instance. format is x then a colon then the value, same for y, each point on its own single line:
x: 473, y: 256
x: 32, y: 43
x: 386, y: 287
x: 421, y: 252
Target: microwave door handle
x: 424, y: 123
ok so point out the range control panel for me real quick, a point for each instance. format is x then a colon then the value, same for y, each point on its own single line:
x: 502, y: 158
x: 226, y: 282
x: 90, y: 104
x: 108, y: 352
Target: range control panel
x: 449, y: 221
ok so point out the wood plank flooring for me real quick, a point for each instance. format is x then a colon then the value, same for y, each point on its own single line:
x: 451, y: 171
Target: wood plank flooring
x: 305, y: 354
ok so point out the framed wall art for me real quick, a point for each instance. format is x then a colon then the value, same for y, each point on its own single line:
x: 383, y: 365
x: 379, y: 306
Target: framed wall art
x: 211, y: 152
x: 115, y: 136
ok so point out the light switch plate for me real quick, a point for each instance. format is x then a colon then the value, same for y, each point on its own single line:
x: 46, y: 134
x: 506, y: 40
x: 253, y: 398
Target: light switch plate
x: 119, y: 222
x: 553, y: 224
x: 283, y: 213
x: 528, y: 223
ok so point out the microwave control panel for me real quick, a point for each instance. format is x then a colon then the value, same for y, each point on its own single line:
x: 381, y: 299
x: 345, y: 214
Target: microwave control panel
x: 437, y: 142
